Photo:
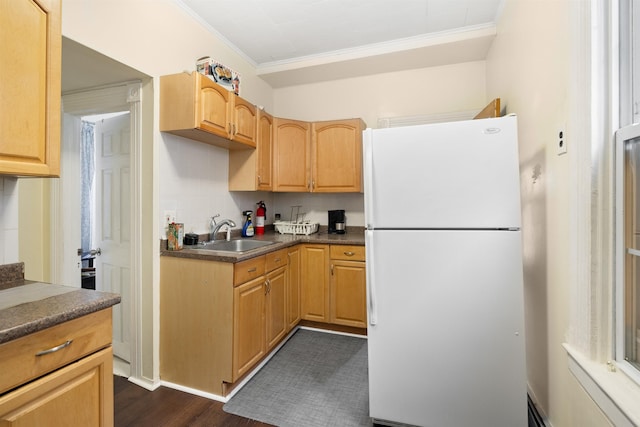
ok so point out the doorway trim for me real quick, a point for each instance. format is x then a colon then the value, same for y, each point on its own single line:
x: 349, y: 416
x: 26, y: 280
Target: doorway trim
x: 109, y: 99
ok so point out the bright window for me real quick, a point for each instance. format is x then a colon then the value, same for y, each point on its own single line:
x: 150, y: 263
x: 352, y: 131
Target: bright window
x: 628, y: 194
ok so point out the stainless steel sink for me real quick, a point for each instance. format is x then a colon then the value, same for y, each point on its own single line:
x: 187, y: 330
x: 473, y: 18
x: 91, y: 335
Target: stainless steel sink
x: 236, y: 245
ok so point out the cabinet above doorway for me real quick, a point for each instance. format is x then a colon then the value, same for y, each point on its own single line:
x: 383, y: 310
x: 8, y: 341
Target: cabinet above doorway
x: 195, y: 107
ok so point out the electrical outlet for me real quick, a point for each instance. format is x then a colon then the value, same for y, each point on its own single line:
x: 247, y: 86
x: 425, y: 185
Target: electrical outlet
x: 169, y: 217
x: 561, y: 142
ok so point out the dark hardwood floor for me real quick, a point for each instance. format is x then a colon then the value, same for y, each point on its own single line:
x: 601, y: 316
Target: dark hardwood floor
x: 136, y: 406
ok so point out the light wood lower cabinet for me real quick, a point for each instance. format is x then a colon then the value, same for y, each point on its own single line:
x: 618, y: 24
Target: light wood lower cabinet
x: 249, y: 325
x: 217, y: 319
x: 71, y: 386
x: 334, y: 285
x: 314, y: 284
x: 293, y: 287
x: 80, y: 394
x: 275, y: 307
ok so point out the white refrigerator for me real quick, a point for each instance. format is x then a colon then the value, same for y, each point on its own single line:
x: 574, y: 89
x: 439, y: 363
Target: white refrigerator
x: 444, y: 275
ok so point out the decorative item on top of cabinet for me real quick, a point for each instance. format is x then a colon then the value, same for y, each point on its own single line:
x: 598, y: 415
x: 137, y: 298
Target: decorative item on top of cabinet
x: 30, y: 94
x: 195, y: 107
x: 250, y: 170
x: 322, y: 157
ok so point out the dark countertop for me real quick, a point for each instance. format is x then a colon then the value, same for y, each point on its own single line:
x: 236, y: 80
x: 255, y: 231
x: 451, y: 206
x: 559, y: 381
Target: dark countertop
x: 352, y: 237
x: 41, y: 305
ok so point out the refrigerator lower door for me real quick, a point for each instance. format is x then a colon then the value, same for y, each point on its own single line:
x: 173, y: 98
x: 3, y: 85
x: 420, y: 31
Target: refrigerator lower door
x: 447, y: 345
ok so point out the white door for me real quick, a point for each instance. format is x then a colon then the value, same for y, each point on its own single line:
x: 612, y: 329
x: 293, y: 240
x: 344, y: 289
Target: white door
x: 112, y: 228
x: 70, y: 265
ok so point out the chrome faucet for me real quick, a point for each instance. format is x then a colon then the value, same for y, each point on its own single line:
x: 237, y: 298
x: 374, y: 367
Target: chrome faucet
x: 215, y: 227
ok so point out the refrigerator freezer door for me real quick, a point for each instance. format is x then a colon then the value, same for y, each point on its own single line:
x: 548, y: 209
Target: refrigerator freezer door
x: 447, y: 348
x: 448, y: 175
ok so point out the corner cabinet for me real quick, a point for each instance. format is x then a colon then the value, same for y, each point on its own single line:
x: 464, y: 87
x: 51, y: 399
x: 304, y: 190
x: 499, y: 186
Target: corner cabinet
x: 250, y: 170
x: 194, y: 106
x: 334, y: 285
x: 320, y: 157
x: 30, y: 90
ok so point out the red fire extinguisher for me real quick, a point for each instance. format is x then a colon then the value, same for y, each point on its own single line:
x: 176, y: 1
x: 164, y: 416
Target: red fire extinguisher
x: 261, y: 216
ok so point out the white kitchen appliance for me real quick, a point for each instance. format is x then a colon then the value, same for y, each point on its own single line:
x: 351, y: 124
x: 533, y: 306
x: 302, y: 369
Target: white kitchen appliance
x: 444, y: 275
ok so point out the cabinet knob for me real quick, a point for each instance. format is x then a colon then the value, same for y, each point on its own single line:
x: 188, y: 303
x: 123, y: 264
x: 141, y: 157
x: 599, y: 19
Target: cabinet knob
x: 252, y: 270
x: 349, y: 253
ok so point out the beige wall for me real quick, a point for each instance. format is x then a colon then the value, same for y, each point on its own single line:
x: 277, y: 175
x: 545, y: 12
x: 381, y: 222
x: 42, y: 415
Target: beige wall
x: 528, y: 67
x: 423, y: 91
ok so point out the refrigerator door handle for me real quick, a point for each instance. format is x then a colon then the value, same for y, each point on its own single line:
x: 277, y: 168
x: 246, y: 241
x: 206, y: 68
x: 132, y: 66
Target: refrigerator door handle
x: 370, y: 277
x: 368, y: 177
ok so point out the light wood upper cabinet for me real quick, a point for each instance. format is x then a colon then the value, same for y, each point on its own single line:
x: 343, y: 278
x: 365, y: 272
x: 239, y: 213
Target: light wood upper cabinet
x: 292, y: 155
x: 323, y: 157
x: 195, y: 107
x: 244, y: 122
x: 336, y: 153
x: 250, y: 170
x: 30, y: 87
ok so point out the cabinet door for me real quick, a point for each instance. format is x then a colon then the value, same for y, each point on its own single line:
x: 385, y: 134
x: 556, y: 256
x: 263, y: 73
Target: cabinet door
x: 293, y: 287
x: 275, y: 310
x: 315, y: 282
x: 265, y: 151
x: 248, y: 325
x: 291, y: 161
x: 212, y: 107
x: 30, y: 90
x: 348, y: 293
x: 243, y: 121
x: 337, y: 156
x: 80, y: 394
x: 250, y: 170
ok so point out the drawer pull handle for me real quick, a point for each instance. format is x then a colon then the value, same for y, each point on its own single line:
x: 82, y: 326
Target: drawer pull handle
x: 277, y: 260
x: 252, y: 270
x: 54, y: 349
x: 349, y: 253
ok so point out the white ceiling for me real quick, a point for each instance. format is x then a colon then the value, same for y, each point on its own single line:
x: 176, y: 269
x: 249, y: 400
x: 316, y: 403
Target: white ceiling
x: 294, y: 42
x: 302, y: 41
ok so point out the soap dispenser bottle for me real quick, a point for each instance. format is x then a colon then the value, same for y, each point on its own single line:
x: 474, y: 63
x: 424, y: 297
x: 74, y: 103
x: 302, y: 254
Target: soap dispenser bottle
x: 247, y: 227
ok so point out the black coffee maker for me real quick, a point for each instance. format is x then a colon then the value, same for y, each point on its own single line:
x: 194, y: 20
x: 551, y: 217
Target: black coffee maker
x: 337, y: 222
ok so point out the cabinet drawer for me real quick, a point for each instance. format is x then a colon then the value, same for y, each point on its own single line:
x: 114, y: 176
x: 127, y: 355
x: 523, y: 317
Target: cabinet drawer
x: 20, y: 360
x: 275, y: 260
x: 247, y: 270
x: 347, y: 252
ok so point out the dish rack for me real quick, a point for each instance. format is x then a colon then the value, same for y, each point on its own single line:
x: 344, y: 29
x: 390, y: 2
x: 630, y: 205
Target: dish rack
x: 291, y: 227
